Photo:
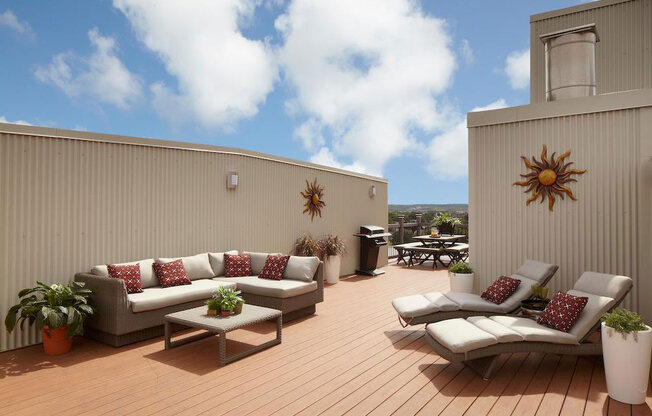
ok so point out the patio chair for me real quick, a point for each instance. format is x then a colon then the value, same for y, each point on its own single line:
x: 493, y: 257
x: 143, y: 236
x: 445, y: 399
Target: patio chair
x: 438, y: 306
x: 478, y: 341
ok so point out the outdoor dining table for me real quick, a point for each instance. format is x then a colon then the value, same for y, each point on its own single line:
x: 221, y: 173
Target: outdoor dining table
x: 441, y: 241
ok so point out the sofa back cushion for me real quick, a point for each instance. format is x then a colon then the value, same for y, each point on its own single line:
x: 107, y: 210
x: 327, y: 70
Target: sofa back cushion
x: 197, y: 266
x: 274, y: 267
x: 258, y: 261
x: 237, y: 265
x: 217, y: 262
x: 147, y: 276
x: 301, y: 268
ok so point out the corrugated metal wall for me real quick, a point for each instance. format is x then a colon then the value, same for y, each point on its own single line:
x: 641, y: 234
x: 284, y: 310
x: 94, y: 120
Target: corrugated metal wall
x: 600, y: 232
x: 623, y: 55
x: 69, y: 204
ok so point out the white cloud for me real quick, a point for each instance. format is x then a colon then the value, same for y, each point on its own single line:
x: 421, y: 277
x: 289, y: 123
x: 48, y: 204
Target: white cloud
x: 365, y: 72
x: 9, y: 20
x: 466, y: 52
x: 222, y: 76
x: 102, y: 75
x: 517, y: 68
x: 448, y: 152
x: 23, y: 122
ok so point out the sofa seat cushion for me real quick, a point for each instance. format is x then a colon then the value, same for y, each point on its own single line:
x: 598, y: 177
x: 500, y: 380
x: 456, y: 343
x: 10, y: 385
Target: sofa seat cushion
x: 459, y: 335
x: 532, y: 331
x: 285, y: 288
x: 419, y: 305
x: 160, y: 297
x: 473, y: 302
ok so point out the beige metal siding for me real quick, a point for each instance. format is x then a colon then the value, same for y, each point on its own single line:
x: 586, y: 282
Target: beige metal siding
x: 623, y: 54
x: 604, y: 231
x: 69, y: 204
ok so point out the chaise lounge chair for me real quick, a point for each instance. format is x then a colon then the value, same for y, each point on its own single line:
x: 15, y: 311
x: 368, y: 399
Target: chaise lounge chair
x: 438, y: 306
x: 478, y: 341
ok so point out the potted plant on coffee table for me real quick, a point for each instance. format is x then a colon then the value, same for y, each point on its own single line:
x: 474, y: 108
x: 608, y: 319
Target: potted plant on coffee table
x: 213, y: 305
x: 446, y: 223
x: 230, y: 298
x: 626, y: 348
x: 460, y: 276
x: 59, y: 311
x: 331, y: 249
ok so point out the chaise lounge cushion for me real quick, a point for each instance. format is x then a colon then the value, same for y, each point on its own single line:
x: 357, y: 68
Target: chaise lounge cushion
x: 473, y: 302
x: 147, y: 276
x: 532, y: 331
x: 502, y: 333
x: 159, y: 297
x: 601, y: 284
x: 217, y: 262
x: 419, y: 305
x: 594, y: 309
x: 535, y: 270
x: 301, y: 268
x: 273, y: 288
x: 459, y: 335
x: 197, y: 266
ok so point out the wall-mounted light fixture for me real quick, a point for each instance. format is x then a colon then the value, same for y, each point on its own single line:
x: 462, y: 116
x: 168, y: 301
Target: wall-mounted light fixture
x: 232, y: 180
x: 372, y: 191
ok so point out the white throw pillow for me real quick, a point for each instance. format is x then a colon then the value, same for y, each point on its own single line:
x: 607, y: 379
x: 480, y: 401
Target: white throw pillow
x: 217, y: 261
x: 197, y: 266
x: 301, y: 268
x: 147, y: 276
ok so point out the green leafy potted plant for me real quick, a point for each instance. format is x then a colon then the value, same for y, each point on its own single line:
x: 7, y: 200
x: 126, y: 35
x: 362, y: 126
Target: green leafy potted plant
x: 213, y: 305
x: 230, y: 298
x: 460, y: 276
x: 331, y: 249
x: 626, y: 348
x: 305, y: 246
x: 446, y: 223
x: 59, y: 311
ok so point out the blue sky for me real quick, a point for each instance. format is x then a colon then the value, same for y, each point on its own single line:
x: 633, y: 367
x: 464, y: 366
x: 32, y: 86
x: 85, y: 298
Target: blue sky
x: 376, y: 86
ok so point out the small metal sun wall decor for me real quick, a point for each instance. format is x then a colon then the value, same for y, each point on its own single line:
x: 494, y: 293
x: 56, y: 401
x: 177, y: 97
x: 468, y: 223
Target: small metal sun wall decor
x: 313, y: 195
x: 548, y: 177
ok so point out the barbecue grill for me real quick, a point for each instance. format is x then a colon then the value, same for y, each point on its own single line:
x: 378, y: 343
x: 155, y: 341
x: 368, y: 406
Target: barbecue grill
x: 372, y: 238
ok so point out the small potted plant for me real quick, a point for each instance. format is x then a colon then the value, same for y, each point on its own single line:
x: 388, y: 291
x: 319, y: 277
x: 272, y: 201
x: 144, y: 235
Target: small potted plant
x: 331, y: 250
x: 537, y: 301
x: 305, y: 246
x: 213, y: 305
x: 59, y: 311
x: 460, y: 276
x: 238, y: 307
x: 446, y: 223
x: 626, y: 348
x: 229, y: 300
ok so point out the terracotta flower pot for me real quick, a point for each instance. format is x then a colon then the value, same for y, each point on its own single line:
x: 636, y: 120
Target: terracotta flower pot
x: 55, y: 341
x: 226, y: 313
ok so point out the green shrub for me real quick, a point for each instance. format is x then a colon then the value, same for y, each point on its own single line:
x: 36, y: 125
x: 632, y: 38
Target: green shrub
x: 624, y: 322
x: 460, y: 267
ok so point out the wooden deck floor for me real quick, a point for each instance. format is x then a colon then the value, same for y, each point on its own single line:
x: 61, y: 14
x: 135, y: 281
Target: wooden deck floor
x: 350, y: 358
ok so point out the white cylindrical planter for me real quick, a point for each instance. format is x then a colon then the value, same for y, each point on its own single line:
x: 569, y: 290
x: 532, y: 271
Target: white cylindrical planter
x: 627, y: 364
x: 461, y: 282
x: 332, y: 268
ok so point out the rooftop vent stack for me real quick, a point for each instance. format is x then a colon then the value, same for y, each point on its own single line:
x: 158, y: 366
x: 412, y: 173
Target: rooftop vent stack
x: 570, y: 62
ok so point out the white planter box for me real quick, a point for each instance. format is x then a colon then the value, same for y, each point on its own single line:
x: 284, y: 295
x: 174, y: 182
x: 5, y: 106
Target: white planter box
x: 332, y: 269
x: 627, y: 364
x: 461, y: 282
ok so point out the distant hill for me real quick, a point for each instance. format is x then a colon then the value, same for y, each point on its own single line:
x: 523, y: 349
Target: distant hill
x: 428, y: 207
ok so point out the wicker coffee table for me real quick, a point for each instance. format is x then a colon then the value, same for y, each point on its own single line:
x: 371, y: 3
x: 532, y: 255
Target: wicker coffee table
x: 217, y: 325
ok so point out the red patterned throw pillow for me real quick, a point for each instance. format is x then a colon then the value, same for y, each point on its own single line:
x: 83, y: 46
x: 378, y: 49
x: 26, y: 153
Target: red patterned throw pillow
x: 274, y: 267
x: 130, y: 274
x: 171, y: 274
x: 236, y: 265
x: 501, y: 289
x: 563, y: 311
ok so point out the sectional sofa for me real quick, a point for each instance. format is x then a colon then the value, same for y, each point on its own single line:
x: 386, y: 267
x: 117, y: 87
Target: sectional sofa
x: 125, y: 318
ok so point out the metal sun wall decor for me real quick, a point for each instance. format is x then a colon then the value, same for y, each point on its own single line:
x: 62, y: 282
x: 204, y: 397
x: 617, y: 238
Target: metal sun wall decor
x: 548, y: 177
x: 313, y: 195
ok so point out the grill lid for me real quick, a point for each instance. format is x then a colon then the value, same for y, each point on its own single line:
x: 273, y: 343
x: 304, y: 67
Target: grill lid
x: 371, y: 229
